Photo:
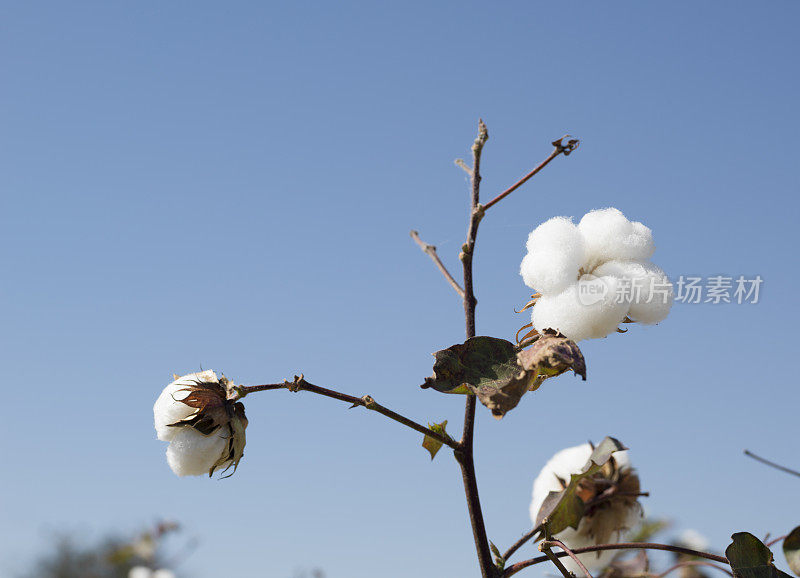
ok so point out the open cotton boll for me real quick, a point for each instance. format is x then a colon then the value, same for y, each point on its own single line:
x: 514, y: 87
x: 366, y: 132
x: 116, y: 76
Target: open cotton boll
x: 191, y: 453
x: 609, y: 235
x: 559, y: 469
x: 586, y: 310
x: 168, y: 408
x: 140, y: 572
x: 555, y: 255
x: 649, y: 288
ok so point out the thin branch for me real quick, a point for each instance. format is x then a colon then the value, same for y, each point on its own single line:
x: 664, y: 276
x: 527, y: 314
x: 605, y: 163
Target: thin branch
x: 300, y: 384
x: 465, y: 454
x: 553, y: 542
x: 430, y: 250
x: 514, y: 568
x: 772, y: 464
x: 692, y: 563
x: 556, y: 562
x: 521, y: 542
x: 560, y: 148
x: 775, y: 541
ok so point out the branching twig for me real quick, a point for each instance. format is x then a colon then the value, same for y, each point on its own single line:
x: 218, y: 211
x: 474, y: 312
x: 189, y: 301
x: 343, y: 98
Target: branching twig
x: 514, y: 568
x: 772, y: 464
x: 775, y: 540
x: 560, y: 148
x: 691, y: 563
x: 430, y: 250
x: 556, y: 562
x: 300, y: 384
x: 553, y: 542
x: 521, y: 542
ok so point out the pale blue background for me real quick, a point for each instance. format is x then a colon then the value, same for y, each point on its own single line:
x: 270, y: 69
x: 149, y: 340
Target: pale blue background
x: 231, y: 185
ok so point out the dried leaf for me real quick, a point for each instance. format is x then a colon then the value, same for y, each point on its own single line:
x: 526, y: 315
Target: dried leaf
x: 432, y: 444
x: 552, y: 355
x: 791, y: 549
x: 495, y: 370
x: 564, y: 509
x: 750, y: 558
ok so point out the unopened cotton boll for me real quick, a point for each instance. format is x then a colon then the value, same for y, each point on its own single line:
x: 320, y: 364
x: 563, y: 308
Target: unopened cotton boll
x: 609, y: 235
x: 611, y: 523
x: 555, y: 255
x: 169, y: 408
x: 587, y: 309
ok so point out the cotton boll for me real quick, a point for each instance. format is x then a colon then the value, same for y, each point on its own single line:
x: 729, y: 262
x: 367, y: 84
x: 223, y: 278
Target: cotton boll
x: 589, y: 309
x: 191, y: 453
x: 140, y: 572
x: 555, y: 255
x: 168, y: 408
x: 608, y: 235
x: 649, y: 288
x: 623, y: 516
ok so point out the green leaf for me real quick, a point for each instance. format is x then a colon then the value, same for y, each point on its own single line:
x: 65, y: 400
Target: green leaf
x: 498, y: 372
x: 432, y: 444
x: 499, y: 561
x: 791, y: 549
x: 750, y: 558
x: 564, y: 509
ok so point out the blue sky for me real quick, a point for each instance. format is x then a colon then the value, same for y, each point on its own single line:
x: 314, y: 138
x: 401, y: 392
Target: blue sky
x: 192, y: 184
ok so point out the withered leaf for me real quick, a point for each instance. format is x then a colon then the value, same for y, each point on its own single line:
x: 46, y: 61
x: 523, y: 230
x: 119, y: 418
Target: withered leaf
x: 553, y: 354
x: 564, y: 509
x: 750, y: 558
x: 432, y: 444
x: 485, y: 366
x: 791, y: 549
x: 498, y: 372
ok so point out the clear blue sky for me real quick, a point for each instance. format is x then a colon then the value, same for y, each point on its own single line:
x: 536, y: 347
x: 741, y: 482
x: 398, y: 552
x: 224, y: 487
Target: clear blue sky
x: 231, y: 186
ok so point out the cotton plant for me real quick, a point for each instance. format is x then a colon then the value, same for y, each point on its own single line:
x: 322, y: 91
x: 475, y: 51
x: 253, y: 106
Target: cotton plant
x: 590, y: 278
x: 593, y: 276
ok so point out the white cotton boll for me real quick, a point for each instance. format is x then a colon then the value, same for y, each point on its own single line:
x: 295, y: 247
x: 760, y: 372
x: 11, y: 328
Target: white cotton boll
x: 140, y: 572
x: 694, y: 540
x: 588, y: 309
x: 168, y: 408
x: 609, y: 235
x: 191, y: 453
x: 555, y: 255
x: 163, y: 573
x: 560, y: 467
x: 650, y: 290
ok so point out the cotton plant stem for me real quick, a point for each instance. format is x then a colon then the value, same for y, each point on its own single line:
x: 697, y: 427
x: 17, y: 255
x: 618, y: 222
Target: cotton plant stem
x: 300, y: 384
x: 680, y: 565
x: 464, y: 455
x: 553, y: 542
x: 514, y: 568
x: 750, y: 454
x: 430, y: 250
